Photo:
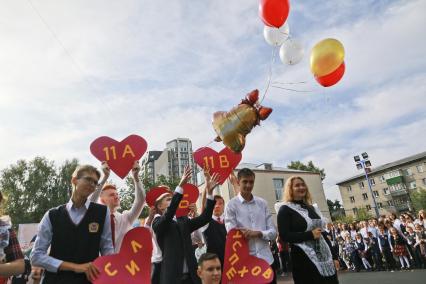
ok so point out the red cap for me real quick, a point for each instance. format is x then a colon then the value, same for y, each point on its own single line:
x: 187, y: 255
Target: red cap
x: 155, y: 193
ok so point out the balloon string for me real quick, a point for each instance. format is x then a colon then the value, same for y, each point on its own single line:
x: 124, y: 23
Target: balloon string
x: 289, y: 83
x: 293, y: 90
x: 270, y: 73
x: 204, y: 146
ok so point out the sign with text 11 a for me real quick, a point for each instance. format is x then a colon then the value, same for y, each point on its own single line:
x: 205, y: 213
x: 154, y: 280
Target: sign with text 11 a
x: 120, y: 156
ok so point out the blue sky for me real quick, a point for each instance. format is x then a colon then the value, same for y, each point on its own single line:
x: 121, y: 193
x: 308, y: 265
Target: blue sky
x: 161, y: 68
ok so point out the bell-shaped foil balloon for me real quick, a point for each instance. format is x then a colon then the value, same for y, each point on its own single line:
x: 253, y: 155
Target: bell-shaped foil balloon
x: 233, y: 126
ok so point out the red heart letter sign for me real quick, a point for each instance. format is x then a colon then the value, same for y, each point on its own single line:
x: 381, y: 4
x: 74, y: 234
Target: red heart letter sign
x: 132, y: 264
x: 239, y: 266
x: 190, y: 195
x: 119, y: 155
x: 222, y: 163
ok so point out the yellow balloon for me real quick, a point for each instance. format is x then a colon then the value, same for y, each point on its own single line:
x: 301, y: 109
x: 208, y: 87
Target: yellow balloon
x: 326, y: 56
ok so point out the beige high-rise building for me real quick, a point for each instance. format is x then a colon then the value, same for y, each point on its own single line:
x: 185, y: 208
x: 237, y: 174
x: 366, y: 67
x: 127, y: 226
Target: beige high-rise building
x: 269, y: 184
x: 169, y: 162
x: 391, y: 184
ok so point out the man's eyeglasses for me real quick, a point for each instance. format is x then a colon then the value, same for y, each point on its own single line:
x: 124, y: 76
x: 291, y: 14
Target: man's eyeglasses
x: 90, y: 180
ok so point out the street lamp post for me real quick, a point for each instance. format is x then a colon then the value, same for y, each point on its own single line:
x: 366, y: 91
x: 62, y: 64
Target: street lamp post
x: 365, y: 164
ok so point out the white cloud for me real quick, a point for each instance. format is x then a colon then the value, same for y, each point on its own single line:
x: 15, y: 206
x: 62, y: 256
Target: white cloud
x: 161, y: 68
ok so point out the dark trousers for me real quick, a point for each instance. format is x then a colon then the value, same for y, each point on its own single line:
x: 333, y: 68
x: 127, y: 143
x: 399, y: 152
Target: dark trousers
x: 285, y: 260
x: 356, y: 260
x: 186, y: 279
x: 155, y: 276
x: 390, y: 261
x: 418, y: 258
x: 377, y: 259
x: 274, y: 281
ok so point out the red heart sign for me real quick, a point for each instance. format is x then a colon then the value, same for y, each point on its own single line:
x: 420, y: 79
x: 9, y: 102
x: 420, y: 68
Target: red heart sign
x: 119, y: 155
x: 190, y: 195
x: 240, y: 266
x: 132, y: 264
x: 222, y: 163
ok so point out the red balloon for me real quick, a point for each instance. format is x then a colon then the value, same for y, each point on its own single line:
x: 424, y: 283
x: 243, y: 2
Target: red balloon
x: 332, y: 78
x: 274, y: 13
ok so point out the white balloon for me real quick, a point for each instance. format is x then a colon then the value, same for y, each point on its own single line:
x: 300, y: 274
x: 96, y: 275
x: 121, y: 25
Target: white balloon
x: 291, y: 52
x: 275, y: 36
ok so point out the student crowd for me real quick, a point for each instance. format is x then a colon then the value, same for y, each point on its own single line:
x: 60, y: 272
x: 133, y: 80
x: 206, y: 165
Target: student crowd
x: 190, y: 249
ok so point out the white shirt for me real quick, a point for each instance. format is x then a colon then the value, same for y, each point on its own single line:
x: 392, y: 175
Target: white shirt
x: 157, y: 255
x: 252, y: 215
x: 124, y: 221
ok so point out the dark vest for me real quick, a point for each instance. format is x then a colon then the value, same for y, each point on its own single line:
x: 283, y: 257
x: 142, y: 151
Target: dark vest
x: 360, y: 246
x: 384, y: 241
x: 75, y: 243
x: 215, y: 236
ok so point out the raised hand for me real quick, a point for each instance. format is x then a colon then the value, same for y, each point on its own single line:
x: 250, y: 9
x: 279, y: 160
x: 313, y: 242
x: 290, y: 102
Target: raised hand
x: 186, y: 177
x: 211, y: 181
x: 135, y: 171
x: 105, y: 170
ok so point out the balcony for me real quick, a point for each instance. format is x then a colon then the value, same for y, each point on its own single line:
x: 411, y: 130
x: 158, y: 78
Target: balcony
x: 398, y: 192
x: 402, y: 207
x: 395, y: 180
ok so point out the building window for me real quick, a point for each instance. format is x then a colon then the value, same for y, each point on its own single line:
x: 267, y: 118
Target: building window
x: 361, y: 184
x: 382, y: 179
x: 349, y: 188
x: 278, y: 186
x: 408, y: 172
x: 365, y: 196
x: 376, y: 193
x: 419, y: 168
x: 372, y: 181
x: 352, y: 199
x: 379, y: 205
x: 424, y: 181
x: 390, y: 202
x: 385, y: 191
x: 412, y: 185
x: 368, y: 207
x: 355, y: 210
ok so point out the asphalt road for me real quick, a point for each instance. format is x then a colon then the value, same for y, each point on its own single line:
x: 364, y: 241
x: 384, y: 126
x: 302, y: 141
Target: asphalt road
x: 417, y: 276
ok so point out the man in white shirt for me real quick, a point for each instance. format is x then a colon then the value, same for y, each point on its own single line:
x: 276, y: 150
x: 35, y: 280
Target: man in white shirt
x: 121, y: 223
x: 251, y: 215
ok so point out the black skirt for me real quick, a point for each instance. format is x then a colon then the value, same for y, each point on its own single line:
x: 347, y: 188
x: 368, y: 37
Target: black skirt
x: 305, y: 272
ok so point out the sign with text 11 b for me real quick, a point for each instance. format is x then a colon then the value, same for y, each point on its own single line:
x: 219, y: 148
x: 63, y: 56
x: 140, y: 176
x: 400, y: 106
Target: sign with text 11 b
x: 120, y: 156
x: 222, y: 163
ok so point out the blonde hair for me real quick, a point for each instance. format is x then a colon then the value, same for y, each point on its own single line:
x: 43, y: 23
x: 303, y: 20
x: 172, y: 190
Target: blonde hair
x: 288, y: 191
x: 79, y: 170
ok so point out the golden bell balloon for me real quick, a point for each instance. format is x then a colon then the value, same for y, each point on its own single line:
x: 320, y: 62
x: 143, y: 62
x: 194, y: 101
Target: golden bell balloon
x: 326, y: 56
x: 233, y: 126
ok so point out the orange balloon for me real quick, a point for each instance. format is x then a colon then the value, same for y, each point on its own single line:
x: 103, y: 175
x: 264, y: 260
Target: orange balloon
x: 333, y: 77
x: 326, y: 56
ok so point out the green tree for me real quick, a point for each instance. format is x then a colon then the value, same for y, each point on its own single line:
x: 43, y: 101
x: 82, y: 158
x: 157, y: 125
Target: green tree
x: 127, y: 193
x: 168, y: 181
x: 418, y: 199
x: 363, y: 214
x: 335, y: 209
x: 330, y: 205
x: 33, y: 187
x: 310, y: 167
